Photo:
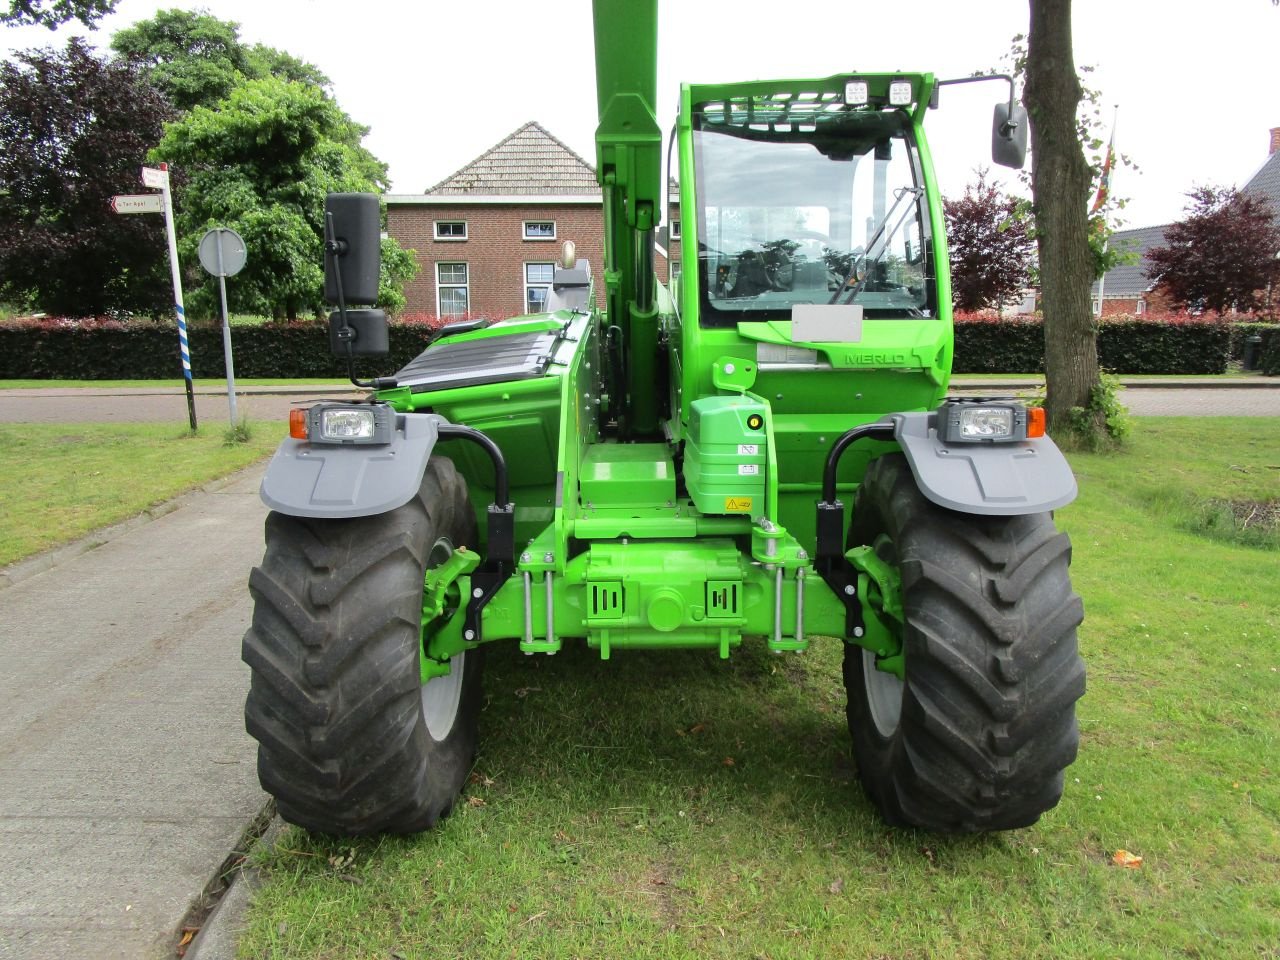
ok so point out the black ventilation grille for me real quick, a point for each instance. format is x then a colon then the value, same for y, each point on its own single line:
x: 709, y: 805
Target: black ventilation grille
x: 444, y: 366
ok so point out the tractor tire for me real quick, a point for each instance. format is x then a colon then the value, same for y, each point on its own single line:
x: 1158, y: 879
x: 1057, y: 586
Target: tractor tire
x: 350, y: 742
x: 978, y: 735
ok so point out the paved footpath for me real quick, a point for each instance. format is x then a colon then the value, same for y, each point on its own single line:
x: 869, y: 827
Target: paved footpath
x: 126, y: 776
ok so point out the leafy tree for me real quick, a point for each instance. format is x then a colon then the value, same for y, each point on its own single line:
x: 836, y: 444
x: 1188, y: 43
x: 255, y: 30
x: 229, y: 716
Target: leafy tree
x: 75, y: 130
x: 197, y: 59
x: 992, y: 251
x: 261, y: 163
x: 56, y: 13
x: 1223, y: 255
x: 1060, y: 185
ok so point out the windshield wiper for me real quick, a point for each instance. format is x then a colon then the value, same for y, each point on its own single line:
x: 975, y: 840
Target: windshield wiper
x: 878, y: 237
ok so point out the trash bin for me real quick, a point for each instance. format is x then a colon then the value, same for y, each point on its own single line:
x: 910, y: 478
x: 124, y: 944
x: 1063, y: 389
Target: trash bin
x: 1252, y: 350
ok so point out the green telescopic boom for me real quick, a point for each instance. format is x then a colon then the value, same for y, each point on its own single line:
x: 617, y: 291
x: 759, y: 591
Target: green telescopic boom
x: 628, y: 166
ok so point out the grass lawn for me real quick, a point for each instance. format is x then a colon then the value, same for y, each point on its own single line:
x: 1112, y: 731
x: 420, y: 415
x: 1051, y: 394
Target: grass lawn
x: 60, y: 481
x: 672, y: 806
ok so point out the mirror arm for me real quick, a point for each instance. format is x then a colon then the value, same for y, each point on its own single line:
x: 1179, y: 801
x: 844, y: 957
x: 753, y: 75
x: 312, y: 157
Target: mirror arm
x: 1006, y: 128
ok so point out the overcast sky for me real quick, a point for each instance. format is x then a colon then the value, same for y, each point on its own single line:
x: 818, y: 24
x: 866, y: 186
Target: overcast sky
x: 439, y: 83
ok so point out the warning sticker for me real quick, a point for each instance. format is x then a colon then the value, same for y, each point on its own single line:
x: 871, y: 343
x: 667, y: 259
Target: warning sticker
x: 748, y: 469
x: 748, y: 449
x: 737, y: 504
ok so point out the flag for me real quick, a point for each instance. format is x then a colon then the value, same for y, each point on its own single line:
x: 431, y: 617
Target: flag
x: 1105, y: 185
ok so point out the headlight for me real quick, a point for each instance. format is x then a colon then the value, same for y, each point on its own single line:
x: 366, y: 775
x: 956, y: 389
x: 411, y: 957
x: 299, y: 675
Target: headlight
x: 988, y: 421
x: 347, y: 423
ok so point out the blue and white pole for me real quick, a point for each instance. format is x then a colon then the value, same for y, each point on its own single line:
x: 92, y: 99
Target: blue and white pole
x: 184, y: 346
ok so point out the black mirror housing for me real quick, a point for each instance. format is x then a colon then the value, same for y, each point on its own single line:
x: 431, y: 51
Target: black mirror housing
x: 366, y: 333
x: 353, y: 224
x: 1009, y: 129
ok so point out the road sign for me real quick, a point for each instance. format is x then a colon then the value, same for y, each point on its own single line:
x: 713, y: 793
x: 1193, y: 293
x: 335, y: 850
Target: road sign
x: 151, y: 177
x: 222, y: 252
x: 138, y: 203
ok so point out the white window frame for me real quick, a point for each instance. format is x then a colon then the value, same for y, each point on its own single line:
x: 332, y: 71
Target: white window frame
x: 465, y: 286
x: 437, y: 224
x: 673, y: 231
x: 1141, y: 307
x: 537, y: 284
x: 528, y: 223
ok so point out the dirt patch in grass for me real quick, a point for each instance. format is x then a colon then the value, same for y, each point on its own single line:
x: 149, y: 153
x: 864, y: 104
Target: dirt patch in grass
x: 1254, y: 514
x: 1249, y: 522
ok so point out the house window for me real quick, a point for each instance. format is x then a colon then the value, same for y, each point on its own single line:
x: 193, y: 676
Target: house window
x: 539, y: 229
x: 452, y: 295
x: 675, y: 269
x: 537, y: 284
x: 1141, y: 306
x: 451, y: 229
x: 675, y: 229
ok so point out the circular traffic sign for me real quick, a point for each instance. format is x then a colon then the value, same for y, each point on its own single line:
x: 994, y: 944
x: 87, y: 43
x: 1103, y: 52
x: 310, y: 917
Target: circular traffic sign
x: 222, y: 252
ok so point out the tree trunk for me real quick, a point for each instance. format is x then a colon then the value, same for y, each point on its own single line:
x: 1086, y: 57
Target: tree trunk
x: 1060, y: 179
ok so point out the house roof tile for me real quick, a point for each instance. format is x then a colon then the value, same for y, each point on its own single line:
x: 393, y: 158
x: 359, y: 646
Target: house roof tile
x: 1266, y: 182
x: 528, y: 162
x: 1130, y: 279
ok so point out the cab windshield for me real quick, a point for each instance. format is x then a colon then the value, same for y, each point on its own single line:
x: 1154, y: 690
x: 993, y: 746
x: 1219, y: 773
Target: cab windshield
x: 826, y: 211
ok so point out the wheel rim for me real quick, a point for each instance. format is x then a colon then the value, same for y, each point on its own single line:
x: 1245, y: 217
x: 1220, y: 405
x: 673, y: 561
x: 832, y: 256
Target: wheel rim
x: 442, y: 695
x: 884, y: 690
x: 884, y: 696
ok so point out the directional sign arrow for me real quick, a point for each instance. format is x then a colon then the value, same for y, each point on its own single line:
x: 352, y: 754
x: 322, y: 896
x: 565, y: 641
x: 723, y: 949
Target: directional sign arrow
x: 138, y: 203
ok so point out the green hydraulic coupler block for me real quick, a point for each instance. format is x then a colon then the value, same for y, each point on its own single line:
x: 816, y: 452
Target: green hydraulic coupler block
x: 725, y: 455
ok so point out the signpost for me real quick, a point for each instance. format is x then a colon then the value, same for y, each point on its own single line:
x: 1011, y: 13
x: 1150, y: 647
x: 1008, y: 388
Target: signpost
x: 158, y: 178
x: 138, y: 203
x: 222, y: 253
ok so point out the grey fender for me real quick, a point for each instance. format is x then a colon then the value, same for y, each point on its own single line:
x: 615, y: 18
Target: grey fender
x: 997, y: 479
x: 357, y: 480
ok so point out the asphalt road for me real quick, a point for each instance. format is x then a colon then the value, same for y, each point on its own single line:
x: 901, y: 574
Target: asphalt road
x: 1252, y: 398
x: 126, y: 776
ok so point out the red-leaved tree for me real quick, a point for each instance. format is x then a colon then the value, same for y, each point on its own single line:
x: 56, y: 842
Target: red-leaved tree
x: 74, y: 131
x: 991, y: 250
x: 1223, y: 255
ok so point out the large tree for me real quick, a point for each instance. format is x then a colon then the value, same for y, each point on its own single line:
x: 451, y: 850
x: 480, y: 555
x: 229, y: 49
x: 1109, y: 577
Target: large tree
x: 261, y: 163
x: 197, y: 59
x: 1222, y: 255
x: 75, y: 130
x: 991, y: 249
x: 54, y: 13
x: 1060, y: 181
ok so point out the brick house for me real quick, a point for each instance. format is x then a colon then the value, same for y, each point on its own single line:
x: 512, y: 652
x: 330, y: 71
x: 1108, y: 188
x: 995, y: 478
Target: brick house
x: 1127, y: 288
x: 486, y: 238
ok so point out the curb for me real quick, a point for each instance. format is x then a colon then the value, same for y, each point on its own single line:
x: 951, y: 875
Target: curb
x: 1270, y: 383
x: 220, y: 934
x: 21, y: 570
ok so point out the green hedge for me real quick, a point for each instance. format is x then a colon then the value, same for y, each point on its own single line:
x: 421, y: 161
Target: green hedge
x: 1163, y: 344
x: 150, y: 352
x: 985, y: 343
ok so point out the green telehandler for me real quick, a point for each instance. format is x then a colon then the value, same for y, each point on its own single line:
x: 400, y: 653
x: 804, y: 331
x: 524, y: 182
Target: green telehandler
x: 762, y: 451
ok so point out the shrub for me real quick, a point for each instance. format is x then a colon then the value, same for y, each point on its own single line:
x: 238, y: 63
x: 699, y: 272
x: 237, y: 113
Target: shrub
x: 1171, y: 343
x: 108, y: 349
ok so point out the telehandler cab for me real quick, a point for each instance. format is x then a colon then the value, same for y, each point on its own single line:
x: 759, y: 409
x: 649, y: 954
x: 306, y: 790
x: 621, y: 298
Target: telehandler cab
x: 761, y: 452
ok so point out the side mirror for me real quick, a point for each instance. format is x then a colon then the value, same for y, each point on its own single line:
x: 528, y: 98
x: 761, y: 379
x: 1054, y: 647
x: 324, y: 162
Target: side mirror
x: 1009, y: 128
x: 353, y: 247
x: 366, y: 332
